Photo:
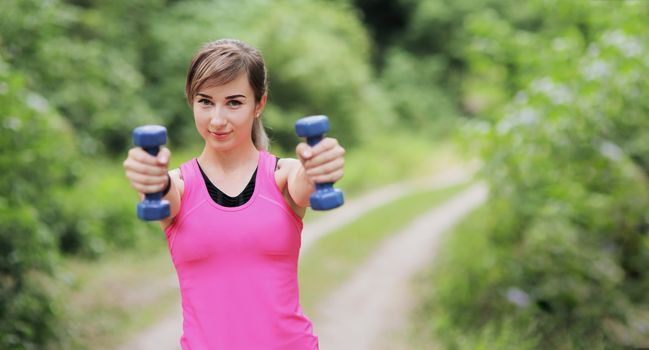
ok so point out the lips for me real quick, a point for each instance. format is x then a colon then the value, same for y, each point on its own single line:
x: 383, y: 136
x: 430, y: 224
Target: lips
x: 221, y: 135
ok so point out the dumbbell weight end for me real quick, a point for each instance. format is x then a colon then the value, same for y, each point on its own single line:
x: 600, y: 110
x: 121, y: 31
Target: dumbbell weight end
x: 326, y: 197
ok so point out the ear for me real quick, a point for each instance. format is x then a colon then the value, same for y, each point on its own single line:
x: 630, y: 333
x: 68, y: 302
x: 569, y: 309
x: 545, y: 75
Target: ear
x: 259, y: 107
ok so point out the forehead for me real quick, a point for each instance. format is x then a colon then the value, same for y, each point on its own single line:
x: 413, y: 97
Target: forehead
x: 239, y: 84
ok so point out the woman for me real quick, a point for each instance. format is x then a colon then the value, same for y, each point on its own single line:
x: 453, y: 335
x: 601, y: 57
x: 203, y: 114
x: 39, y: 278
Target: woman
x: 236, y: 210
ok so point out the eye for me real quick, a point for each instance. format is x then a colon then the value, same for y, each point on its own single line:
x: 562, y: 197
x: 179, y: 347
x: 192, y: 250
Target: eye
x: 234, y: 103
x: 204, y: 102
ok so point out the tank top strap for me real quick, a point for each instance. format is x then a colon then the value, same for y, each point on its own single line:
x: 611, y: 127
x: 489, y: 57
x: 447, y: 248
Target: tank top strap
x: 266, y: 168
x: 269, y: 189
x: 188, y: 172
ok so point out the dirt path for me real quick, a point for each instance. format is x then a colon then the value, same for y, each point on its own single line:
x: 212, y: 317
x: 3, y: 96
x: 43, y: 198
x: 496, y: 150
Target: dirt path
x: 353, y: 209
x: 165, y: 334
x: 374, y: 302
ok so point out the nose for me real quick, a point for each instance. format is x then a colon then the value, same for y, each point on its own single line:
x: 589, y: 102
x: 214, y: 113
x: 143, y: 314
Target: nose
x: 217, y: 119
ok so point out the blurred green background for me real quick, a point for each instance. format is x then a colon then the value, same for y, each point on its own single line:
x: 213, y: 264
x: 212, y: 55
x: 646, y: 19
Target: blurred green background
x: 553, y: 96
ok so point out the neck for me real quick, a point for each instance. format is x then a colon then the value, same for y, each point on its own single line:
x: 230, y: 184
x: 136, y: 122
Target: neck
x: 231, y: 160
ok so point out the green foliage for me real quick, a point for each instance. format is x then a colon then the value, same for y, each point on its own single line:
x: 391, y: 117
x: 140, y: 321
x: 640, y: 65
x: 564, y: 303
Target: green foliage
x: 420, y: 104
x: 564, y: 262
x: 45, y: 210
x: 29, y: 315
x: 97, y: 215
x: 37, y: 149
x: 70, y: 58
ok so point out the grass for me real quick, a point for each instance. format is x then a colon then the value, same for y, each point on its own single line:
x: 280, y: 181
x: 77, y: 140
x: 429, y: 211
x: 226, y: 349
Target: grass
x: 465, y: 244
x: 116, y: 295
x: 446, y: 303
x: 334, y: 257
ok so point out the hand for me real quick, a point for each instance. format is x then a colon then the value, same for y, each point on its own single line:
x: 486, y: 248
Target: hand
x: 147, y: 174
x: 323, y: 162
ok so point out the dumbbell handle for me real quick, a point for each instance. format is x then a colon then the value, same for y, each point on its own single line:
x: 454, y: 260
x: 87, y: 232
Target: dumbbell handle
x: 323, y: 186
x: 314, y: 140
x: 155, y: 196
x: 149, y: 138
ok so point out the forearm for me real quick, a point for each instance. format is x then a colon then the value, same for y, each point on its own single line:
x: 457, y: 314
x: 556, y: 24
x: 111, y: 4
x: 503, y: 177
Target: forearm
x: 300, y: 186
x: 173, y: 196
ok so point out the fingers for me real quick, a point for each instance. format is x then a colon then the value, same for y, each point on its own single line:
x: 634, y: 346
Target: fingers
x: 324, y: 151
x: 147, y: 184
x: 147, y: 173
x: 327, y: 177
x: 324, y: 162
x: 140, y: 155
x: 326, y: 167
x: 303, y: 152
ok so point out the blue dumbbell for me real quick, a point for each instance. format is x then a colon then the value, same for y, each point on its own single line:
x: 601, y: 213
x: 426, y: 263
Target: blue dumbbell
x: 150, y: 138
x: 313, y: 128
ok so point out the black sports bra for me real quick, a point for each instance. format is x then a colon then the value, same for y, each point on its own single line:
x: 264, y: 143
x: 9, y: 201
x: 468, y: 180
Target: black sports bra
x: 223, y: 199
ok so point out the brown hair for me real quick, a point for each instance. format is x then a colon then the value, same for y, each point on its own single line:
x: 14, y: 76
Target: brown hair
x: 219, y: 62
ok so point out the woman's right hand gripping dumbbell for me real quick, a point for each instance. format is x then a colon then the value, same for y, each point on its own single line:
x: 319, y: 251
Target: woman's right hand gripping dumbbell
x: 147, y: 173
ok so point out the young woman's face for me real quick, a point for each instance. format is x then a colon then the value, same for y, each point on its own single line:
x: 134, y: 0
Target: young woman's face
x: 224, y: 114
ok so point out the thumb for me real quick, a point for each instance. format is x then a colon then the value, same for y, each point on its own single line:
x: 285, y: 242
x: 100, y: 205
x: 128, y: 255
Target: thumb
x: 163, y: 156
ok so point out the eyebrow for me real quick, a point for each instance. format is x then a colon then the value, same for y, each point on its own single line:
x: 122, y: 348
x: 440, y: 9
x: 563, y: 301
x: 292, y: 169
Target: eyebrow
x: 203, y: 95
x: 227, y: 97
x: 235, y: 96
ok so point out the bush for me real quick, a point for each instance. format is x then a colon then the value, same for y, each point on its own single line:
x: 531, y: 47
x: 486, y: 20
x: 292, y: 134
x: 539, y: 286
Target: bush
x: 420, y: 103
x: 46, y: 210
x: 564, y: 249
x: 37, y: 148
x: 98, y: 214
x: 84, y: 64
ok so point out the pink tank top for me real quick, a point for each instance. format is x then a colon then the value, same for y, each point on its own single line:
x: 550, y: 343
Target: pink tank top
x: 237, y: 267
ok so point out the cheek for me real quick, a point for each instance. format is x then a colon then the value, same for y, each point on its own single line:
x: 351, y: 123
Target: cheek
x: 200, y: 121
x: 243, y: 116
x: 200, y: 116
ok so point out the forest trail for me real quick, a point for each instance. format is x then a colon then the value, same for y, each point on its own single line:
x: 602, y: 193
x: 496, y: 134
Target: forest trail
x: 375, y: 302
